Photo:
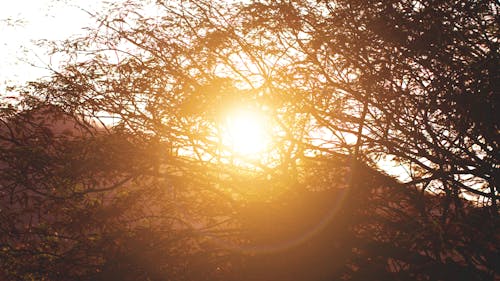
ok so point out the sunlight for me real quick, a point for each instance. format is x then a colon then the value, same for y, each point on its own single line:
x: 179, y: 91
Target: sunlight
x: 244, y: 133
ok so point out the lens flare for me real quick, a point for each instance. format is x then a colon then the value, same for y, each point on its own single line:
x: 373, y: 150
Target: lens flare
x: 245, y: 133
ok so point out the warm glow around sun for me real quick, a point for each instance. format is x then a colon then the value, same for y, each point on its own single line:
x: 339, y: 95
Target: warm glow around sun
x: 244, y: 133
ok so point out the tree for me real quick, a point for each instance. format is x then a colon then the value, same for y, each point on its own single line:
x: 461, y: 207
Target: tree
x: 157, y: 195
x: 79, y: 202
x: 412, y: 79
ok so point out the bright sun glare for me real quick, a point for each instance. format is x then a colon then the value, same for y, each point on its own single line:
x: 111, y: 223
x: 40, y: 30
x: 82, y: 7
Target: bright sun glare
x: 245, y: 133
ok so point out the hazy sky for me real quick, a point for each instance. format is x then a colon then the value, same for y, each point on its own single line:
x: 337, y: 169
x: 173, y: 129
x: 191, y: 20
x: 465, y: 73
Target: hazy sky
x: 22, y: 21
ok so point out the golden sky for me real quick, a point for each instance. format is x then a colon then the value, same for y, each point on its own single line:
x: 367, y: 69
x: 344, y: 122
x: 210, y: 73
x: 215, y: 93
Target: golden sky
x: 23, y: 21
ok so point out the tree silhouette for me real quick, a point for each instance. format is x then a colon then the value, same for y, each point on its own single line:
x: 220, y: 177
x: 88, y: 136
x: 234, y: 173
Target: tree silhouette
x: 156, y: 195
x: 415, y: 80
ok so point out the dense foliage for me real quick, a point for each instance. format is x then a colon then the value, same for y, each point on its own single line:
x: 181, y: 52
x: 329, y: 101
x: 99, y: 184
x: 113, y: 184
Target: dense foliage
x: 154, y: 194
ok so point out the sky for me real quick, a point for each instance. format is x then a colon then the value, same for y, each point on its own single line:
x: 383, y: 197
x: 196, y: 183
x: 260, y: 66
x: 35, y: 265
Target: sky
x: 22, y: 22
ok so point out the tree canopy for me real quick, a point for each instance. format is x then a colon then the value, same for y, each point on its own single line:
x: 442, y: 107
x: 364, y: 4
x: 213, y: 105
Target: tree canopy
x: 116, y: 167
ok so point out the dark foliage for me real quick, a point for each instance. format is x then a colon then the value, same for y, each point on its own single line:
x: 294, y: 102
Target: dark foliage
x: 157, y: 196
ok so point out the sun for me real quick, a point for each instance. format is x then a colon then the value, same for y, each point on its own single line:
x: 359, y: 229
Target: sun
x: 245, y: 134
